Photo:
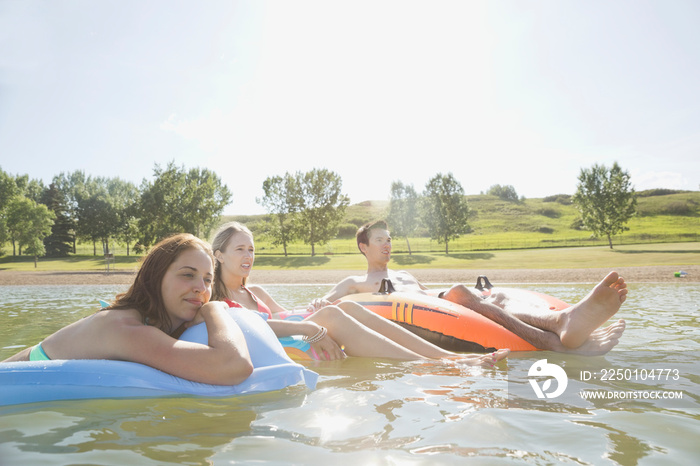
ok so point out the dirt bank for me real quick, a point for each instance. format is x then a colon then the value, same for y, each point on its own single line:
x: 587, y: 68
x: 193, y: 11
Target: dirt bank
x: 652, y: 274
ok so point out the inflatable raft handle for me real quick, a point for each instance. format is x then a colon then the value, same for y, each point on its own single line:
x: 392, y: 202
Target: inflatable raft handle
x: 483, y: 282
x: 386, y: 287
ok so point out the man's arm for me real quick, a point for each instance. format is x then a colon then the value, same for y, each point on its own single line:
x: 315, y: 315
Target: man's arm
x: 344, y: 288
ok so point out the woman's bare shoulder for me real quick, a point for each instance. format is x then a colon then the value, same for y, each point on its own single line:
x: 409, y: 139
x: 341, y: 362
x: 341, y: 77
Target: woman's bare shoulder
x: 119, y: 317
x: 106, y: 334
x: 257, y: 290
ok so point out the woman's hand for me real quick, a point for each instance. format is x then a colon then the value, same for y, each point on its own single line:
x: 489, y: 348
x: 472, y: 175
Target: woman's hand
x: 328, y: 350
x: 319, y: 303
x: 207, y: 307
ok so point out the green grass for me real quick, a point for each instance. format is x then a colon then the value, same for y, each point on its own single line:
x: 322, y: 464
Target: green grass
x: 534, y: 223
x: 599, y: 256
x: 529, y: 234
x: 675, y: 254
x: 526, y: 220
x: 69, y: 264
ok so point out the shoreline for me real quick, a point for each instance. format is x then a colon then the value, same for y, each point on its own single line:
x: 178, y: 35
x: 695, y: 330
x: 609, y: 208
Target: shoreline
x: 646, y: 274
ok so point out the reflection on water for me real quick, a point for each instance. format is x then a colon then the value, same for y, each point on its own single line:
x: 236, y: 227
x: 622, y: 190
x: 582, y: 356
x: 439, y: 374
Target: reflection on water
x: 373, y: 411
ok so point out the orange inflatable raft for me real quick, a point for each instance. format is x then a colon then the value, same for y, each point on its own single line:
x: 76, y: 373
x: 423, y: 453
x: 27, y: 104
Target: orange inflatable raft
x: 452, y: 326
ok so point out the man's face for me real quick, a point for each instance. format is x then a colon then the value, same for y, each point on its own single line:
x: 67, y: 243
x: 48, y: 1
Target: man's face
x: 379, y: 247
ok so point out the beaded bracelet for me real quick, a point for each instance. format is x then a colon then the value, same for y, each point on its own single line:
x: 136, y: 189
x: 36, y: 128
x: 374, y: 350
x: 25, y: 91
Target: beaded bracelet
x: 316, y: 338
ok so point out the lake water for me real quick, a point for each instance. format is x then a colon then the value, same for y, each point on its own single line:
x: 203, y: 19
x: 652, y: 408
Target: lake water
x: 383, y: 412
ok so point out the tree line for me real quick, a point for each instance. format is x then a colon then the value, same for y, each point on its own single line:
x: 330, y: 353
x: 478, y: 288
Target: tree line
x: 308, y: 206
x: 48, y: 220
x: 303, y: 207
x: 605, y: 199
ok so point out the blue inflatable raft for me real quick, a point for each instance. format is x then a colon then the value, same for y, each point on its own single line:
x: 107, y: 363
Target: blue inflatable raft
x: 35, y: 381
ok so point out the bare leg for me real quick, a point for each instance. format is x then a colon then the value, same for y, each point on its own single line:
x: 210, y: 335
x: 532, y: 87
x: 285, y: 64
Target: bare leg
x: 394, y: 331
x: 557, y: 331
x: 576, y: 323
x: 358, y: 340
x: 409, y: 340
x: 542, y: 339
x: 373, y: 336
x: 21, y: 356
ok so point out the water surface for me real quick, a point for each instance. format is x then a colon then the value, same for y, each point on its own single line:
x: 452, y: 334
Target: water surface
x: 372, y: 411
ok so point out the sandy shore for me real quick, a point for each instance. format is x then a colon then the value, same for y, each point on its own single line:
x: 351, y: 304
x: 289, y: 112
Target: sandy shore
x: 652, y: 274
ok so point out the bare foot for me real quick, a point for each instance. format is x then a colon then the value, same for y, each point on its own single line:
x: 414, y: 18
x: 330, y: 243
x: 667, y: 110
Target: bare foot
x: 488, y: 360
x: 580, y: 320
x: 600, y: 342
x: 613, y: 329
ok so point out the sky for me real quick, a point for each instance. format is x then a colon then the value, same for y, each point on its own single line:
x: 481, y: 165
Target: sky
x: 514, y: 92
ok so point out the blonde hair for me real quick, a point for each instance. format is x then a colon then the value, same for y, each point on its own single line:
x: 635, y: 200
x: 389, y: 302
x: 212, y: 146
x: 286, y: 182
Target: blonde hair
x: 219, y: 243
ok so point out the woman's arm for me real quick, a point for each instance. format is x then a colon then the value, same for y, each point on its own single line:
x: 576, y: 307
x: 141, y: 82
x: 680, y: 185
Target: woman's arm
x: 326, y: 348
x: 223, y: 361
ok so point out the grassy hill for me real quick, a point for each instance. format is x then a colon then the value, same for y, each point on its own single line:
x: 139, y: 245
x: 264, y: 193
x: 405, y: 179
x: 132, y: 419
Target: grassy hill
x: 497, y: 225
x: 503, y: 234
x: 663, y: 216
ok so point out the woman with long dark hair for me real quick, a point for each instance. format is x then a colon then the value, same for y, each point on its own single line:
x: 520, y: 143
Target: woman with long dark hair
x: 171, y: 291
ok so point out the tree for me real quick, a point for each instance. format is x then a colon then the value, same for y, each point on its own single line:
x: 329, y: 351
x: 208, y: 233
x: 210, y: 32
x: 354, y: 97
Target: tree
x: 72, y: 186
x: 606, y: 200
x: 60, y: 242
x: 15, y: 220
x: 281, y: 200
x: 4, y: 235
x: 40, y: 219
x: 158, y: 203
x: 178, y: 201
x: 97, y: 219
x: 17, y: 193
x: 445, y: 209
x: 403, y: 211
x: 321, y: 206
x: 124, y: 198
x: 28, y: 223
x: 8, y: 190
x: 205, y: 199
x: 31, y: 189
x: 129, y: 229
x: 507, y: 193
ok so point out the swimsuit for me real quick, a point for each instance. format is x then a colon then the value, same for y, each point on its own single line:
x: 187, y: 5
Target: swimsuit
x: 262, y: 307
x: 38, y: 354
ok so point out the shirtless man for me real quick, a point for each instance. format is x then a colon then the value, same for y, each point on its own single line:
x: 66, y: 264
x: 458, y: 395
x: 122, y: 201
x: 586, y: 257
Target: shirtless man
x: 572, y: 330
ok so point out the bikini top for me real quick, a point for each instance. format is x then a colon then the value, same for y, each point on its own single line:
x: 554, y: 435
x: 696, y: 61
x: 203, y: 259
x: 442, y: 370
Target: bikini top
x: 262, y: 307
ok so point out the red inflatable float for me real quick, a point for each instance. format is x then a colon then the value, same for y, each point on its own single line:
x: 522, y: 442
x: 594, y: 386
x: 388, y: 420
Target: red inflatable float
x: 452, y: 326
